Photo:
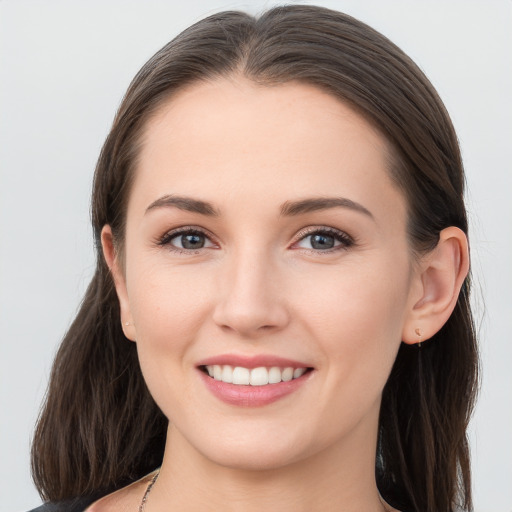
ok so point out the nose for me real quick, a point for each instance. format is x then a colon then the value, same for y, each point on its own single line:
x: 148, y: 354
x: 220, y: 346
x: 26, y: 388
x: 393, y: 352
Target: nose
x: 250, y: 300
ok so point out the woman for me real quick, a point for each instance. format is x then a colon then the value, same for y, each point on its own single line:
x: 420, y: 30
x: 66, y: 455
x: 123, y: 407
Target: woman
x: 279, y: 315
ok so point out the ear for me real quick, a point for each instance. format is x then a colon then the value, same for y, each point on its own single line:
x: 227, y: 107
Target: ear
x: 116, y: 270
x: 439, y: 280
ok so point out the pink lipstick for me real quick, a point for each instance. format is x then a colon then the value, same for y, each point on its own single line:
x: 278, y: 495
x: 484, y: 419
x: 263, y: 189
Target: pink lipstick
x: 252, y: 381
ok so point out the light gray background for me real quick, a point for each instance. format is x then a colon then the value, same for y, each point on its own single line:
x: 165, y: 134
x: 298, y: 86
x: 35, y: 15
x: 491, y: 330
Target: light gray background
x: 64, y: 66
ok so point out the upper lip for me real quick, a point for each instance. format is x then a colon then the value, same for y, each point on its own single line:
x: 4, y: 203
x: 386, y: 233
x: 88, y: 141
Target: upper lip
x: 253, y: 361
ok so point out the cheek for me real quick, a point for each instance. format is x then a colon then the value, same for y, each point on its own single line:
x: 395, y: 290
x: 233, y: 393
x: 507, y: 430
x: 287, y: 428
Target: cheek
x: 169, y: 307
x: 167, y: 304
x: 358, y: 314
x: 355, y: 323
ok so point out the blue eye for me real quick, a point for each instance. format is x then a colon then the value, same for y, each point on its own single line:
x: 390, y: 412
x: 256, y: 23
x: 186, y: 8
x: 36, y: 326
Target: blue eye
x: 325, y: 240
x: 186, y: 240
x: 190, y: 241
x: 318, y: 240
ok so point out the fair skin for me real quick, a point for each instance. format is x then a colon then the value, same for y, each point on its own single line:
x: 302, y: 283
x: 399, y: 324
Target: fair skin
x: 334, y: 288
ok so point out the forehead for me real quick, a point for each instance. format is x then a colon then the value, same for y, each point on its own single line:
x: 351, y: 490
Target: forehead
x: 230, y: 136
x: 236, y: 102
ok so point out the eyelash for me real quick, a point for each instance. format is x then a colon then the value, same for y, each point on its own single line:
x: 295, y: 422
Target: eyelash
x: 345, y: 240
x: 165, y: 241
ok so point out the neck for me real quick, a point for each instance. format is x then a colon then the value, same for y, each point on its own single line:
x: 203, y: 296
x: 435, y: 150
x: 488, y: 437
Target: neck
x: 340, y: 478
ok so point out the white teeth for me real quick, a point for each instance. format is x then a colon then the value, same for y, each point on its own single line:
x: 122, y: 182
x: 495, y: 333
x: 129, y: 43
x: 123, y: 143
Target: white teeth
x: 274, y: 375
x: 287, y: 374
x: 298, y: 372
x: 241, y: 375
x: 259, y: 377
x: 227, y: 374
x: 256, y: 377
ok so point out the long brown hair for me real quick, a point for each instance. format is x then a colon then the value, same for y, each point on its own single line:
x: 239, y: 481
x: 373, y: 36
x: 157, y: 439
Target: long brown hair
x: 100, y: 429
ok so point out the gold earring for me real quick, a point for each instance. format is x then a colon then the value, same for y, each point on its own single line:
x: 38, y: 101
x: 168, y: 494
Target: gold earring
x: 419, y: 334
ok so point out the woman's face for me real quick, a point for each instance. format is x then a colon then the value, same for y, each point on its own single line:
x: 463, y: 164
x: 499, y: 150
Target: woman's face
x: 263, y: 231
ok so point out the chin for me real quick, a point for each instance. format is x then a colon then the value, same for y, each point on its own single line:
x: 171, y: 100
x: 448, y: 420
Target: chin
x: 249, y: 449
x: 254, y: 458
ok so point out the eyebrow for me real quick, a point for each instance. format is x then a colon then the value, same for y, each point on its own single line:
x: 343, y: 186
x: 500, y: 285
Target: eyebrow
x: 288, y: 208
x: 184, y: 203
x: 292, y: 208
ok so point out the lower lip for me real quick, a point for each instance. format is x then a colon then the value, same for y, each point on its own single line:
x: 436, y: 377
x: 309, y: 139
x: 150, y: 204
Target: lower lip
x: 252, y: 396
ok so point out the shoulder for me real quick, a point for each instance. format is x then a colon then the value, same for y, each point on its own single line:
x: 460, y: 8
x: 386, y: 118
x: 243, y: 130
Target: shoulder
x: 125, y: 499
x: 111, y: 502
x: 75, y: 505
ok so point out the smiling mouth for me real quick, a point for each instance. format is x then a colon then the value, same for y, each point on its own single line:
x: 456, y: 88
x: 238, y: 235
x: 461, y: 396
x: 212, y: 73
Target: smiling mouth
x: 260, y: 376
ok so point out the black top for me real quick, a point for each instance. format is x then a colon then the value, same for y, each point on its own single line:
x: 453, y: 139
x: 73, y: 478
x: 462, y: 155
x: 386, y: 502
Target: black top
x: 75, y: 505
